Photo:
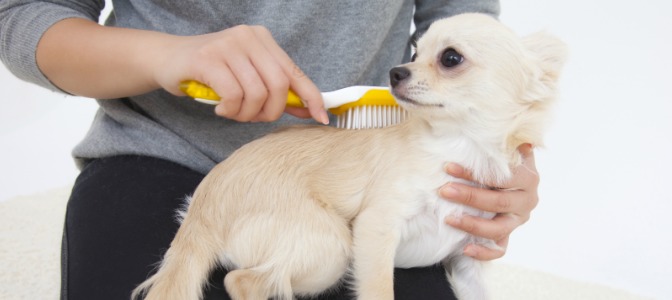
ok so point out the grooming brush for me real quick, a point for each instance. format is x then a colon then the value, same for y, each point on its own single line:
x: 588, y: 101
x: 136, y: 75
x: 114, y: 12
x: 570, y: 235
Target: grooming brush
x: 355, y: 107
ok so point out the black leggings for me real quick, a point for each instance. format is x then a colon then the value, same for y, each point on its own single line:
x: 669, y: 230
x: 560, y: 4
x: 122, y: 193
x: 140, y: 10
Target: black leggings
x: 121, y: 219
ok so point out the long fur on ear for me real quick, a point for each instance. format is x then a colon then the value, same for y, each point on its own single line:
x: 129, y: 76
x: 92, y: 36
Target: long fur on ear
x: 548, y: 54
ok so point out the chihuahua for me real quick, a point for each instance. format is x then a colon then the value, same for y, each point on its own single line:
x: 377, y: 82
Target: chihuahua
x: 292, y: 213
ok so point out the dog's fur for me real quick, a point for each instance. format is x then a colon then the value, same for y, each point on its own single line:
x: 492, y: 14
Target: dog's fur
x: 291, y: 213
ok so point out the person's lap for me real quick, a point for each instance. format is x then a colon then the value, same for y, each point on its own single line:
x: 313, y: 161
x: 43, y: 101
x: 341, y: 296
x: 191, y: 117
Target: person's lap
x: 121, y: 218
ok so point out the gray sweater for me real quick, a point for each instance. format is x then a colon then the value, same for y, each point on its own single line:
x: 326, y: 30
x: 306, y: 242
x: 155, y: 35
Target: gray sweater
x: 337, y: 43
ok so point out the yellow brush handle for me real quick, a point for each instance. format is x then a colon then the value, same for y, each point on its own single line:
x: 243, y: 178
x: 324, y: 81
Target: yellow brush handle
x: 198, y: 90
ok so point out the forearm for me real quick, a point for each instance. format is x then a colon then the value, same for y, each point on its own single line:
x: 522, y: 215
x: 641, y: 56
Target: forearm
x: 84, y: 58
x: 243, y: 64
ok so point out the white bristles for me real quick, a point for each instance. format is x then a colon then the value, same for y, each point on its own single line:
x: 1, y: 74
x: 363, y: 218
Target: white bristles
x: 373, y: 116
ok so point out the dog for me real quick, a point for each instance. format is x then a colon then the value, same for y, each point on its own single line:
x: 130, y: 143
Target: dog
x: 294, y: 212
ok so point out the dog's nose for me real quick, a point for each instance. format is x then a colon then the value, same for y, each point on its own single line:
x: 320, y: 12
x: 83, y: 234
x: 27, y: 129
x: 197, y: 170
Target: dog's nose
x: 398, y: 74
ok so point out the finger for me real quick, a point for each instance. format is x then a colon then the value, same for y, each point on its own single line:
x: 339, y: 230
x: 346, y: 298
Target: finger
x: 272, y: 74
x: 309, y: 94
x: 525, y: 176
x: 458, y: 171
x: 298, y: 112
x: 483, y: 253
x: 494, y: 229
x: 298, y: 81
x: 527, y: 151
x: 517, y: 202
x: 277, y: 86
x: 225, y: 84
x: 254, y: 90
x: 275, y: 103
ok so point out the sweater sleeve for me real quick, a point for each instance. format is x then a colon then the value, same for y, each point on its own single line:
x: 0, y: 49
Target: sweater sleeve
x: 428, y: 11
x: 22, y: 24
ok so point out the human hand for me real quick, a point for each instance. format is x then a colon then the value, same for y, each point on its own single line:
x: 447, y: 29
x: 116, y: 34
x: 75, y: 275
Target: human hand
x: 247, y: 68
x: 512, y: 204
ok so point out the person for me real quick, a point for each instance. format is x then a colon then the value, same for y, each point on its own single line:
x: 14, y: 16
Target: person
x: 149, y: 146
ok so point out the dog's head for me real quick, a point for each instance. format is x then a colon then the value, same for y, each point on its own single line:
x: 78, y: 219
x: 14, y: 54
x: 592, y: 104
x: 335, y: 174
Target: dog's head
x: 473, y: 73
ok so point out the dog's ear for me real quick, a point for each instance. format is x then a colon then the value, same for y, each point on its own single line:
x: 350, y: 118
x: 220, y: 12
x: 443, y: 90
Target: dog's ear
x: 548, y: 56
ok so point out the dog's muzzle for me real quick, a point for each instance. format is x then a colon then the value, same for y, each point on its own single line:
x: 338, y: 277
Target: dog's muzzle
x: 399, y: 74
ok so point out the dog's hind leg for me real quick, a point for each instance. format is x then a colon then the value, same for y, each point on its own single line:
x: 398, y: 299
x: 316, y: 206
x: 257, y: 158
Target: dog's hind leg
x: 247, y: 284
x: 300, y: 251
x: 308, y: 274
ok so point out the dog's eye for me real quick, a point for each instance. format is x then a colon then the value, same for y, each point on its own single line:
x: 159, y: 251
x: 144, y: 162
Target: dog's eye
x: 413, y: 57
x: 451, y: 58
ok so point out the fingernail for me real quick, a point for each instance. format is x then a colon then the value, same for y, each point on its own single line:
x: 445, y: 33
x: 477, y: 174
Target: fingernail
x: 526, y: 148
x: 453, y: 220
x: 453, y: 168
x: 469, y: 251
x: 449, y: 191
x: 324, y: 117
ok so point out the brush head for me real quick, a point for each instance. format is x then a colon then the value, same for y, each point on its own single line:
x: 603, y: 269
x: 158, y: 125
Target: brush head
x: 375, y: 108
x: 371, y: 116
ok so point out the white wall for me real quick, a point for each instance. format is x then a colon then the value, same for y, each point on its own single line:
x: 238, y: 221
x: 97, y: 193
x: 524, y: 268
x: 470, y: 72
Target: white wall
x: 603, y: 215
x: 605, y: 197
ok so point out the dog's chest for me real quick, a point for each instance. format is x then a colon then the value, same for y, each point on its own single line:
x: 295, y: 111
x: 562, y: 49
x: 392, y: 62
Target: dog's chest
x: 425, y: 238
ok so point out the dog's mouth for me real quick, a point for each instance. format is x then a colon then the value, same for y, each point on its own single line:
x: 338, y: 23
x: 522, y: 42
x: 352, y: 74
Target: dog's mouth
x: 414, y: 102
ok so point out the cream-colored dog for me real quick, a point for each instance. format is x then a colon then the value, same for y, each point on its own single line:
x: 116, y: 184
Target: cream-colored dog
x: 293, y: 212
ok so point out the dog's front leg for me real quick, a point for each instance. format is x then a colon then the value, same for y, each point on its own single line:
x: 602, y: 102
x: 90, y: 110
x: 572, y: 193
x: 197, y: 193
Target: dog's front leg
x: 375, y: 239
x: 465, y: 275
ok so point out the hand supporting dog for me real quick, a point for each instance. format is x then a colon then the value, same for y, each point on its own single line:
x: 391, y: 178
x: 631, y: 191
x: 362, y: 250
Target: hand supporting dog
x: 512, y: 202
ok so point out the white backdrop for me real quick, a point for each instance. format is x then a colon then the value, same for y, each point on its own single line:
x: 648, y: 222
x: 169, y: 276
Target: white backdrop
x: 605, y: 202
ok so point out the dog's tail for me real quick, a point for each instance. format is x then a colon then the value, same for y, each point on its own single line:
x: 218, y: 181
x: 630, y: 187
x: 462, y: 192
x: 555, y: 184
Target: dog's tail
x: 184, y: 269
